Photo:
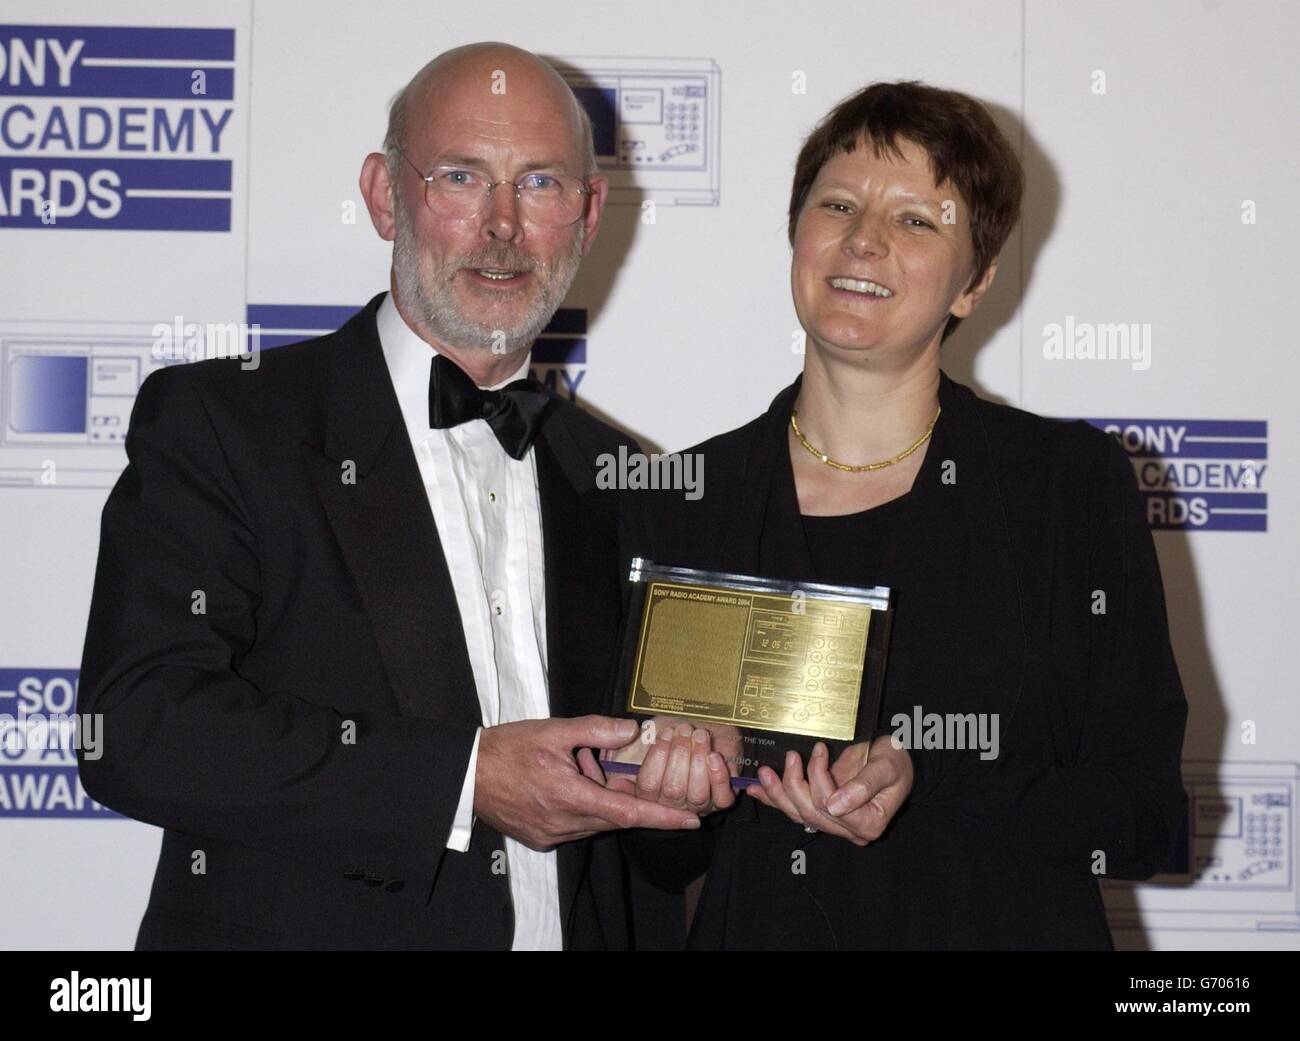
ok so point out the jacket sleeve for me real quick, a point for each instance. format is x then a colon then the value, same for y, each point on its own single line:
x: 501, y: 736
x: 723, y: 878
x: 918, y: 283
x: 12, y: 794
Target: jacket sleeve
x: 1116, y: 807
x: 188, y: 742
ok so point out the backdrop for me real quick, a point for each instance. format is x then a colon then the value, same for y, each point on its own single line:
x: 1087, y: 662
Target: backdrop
x: 204, y: 161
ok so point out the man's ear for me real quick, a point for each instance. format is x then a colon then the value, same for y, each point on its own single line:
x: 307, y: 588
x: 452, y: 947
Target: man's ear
x: 595, y: 207
x: 969, y: 300
x: 377, y: 189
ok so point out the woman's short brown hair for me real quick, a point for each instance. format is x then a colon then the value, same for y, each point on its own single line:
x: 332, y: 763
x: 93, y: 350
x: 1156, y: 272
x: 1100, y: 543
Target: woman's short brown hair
x: 965, y: 147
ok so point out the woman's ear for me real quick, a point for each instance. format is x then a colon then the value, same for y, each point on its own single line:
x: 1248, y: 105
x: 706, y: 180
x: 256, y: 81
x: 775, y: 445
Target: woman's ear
x: 969, y: 300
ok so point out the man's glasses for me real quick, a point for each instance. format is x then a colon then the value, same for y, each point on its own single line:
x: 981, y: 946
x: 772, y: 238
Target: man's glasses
x: 546, y: 200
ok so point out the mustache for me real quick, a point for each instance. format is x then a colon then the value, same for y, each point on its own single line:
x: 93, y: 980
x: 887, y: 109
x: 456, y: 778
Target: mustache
x: 500, y: 262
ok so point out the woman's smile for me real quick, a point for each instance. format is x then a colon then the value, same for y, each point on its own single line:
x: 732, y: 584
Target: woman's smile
x: 863, y: 288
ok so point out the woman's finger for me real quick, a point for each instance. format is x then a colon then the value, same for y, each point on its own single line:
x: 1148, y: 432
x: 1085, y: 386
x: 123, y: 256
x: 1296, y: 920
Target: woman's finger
x: 698, y: 794
x: 649, y: 779
x: 775, y: 791
x: 849, y: 763
x: 728, y: 743
x: 819, y: 776
x: 880, y: 781
x: 720, y: 789
x: 800, y: 794
x: 677, y: 773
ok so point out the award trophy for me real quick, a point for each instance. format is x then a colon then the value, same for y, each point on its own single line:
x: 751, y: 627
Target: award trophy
x: 785, y: 663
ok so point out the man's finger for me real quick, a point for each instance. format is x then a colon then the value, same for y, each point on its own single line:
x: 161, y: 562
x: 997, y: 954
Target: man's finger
x: 588, y: 765
x: 621, y: 783
x: 621, y: 810
x: 596, y: 731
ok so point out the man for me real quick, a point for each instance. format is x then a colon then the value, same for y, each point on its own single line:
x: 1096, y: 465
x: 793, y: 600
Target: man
x: 344, y: 598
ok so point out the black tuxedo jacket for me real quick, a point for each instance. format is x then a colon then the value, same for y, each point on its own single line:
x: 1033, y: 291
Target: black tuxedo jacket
x: 275, y: 645
x: 1013, y: 524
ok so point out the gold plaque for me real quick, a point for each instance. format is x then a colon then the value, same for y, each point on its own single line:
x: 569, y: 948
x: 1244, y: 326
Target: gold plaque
x: 790, y: 662
x: 785, y: 663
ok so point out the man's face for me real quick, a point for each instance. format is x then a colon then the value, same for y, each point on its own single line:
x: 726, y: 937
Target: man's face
x: 439, y: 262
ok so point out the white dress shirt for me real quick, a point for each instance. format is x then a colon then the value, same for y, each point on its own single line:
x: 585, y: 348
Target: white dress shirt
x: 488, y: 512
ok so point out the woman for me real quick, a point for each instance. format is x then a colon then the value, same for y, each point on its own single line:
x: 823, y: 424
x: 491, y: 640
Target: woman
x: 1026, y: 583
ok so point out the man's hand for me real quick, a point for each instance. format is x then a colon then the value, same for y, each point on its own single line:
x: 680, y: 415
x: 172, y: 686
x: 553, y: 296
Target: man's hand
x: 528, y: 784
x: 856, y: 798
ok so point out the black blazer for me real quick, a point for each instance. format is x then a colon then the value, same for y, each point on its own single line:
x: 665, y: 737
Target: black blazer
x: 994, y: 573
x: 278, y: 655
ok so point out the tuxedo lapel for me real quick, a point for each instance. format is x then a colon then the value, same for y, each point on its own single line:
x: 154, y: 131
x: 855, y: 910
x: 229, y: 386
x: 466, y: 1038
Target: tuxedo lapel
x: 582, y: 588
x: 388, y: 538
x: 366, y: 477
x: 579, y: 535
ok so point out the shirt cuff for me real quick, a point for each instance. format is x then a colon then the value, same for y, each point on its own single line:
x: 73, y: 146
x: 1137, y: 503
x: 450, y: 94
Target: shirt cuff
x: 463, y: 823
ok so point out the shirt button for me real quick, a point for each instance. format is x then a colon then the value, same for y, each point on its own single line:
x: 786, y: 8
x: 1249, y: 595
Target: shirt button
x: 498, y: 609
x: 492, y: 496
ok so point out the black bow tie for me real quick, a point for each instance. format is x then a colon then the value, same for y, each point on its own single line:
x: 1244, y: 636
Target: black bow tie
x: 515, y: 412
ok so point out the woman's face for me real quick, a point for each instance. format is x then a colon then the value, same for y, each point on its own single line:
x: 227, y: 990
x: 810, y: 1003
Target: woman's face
x: 876, y: 266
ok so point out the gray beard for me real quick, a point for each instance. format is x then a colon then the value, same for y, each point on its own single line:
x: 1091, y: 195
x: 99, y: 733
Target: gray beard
x: 432, y: 300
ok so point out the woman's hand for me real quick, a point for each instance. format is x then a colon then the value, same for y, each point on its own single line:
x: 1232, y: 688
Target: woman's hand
x: 855, y: 798
x: 688, y: 766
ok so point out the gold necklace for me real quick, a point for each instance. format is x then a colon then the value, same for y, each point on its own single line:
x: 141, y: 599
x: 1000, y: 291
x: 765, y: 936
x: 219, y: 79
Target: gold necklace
x: 794, y: 425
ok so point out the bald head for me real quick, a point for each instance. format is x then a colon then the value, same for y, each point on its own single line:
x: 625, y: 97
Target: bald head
x: 465, y: 78
x: 482, y: 286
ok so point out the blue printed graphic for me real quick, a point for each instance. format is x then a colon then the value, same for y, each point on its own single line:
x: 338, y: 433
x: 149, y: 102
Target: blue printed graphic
x: 1198, y: 474
x: 116, y: 128
x: 38, y: 746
